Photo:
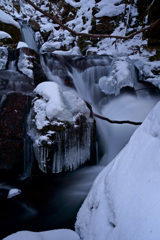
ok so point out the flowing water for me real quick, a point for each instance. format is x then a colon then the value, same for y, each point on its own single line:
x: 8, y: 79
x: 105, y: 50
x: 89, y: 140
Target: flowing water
x: 52, y: 201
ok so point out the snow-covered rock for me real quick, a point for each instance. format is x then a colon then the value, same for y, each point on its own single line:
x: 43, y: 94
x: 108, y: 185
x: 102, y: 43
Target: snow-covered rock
x: 25, y: 64
x: 13, y: 192
x: 3, y: 58
x: 122, y: 74
x: 21, y: 45
x: 4, y: 35
x: 6, y: 18
x: 123, y: 202
x: 61, y: 128
x: 59, y: 234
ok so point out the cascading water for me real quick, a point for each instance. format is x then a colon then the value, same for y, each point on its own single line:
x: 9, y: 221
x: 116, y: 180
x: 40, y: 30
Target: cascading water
x: 61, y: 195
x: 27, y: 36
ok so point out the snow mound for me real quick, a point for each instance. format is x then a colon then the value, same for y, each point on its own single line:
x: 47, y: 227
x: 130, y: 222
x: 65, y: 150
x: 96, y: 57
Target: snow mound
x: 60, y: 234
x: 122, y: 74
x: 56, y: 104
x: 22, y: 44
x: 124, y: 200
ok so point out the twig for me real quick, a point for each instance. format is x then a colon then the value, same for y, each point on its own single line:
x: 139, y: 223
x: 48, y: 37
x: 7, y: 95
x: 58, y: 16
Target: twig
x: 116, y: 121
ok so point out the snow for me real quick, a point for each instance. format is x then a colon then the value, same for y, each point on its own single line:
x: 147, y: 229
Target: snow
x: 13, y: 192
x: 121, y: 75
x: 6, y: 18
x: 56, y: 104
x: 108, y: 8
x: 60, y: 234
x: 50, y: 92
x: 123, y: 202
x: 21, y: 45
x: 73, y: 51
x: 4, y: 35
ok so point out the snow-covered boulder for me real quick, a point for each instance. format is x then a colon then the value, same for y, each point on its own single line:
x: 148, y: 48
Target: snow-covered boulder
x: 122, y: 74
x: 10, y: 26
x: 123, y: 202
x: 59, y: 234
x: 61, y: 128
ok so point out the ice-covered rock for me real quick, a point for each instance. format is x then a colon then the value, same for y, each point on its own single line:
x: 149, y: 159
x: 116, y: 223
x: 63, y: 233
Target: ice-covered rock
x: 148, y: 71
x: 3, y: 57
x: 25, y: 64
x: 122, y: 74
x: 61, y: 128
x: 123, y: 202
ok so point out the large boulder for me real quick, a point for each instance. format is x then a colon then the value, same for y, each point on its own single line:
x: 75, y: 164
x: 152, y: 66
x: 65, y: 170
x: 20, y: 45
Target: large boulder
x: 10, y: 26
x: 61, y: 128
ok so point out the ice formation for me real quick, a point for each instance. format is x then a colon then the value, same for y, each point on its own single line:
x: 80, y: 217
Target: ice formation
x: 61, y: 128
x: 3, y: 57
x: 123, y: 202
x: 122, y: 74
x: 25, y: 65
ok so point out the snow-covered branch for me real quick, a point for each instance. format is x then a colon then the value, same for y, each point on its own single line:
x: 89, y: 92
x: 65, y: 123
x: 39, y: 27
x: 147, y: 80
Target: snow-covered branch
x: 88, y: 34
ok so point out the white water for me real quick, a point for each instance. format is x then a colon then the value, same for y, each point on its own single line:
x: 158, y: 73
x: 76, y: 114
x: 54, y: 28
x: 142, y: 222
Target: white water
x: 27, y: 36
x: 113, y: 137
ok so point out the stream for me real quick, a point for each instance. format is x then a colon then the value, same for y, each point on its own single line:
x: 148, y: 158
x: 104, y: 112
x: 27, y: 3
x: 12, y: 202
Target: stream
x: 52, y: 201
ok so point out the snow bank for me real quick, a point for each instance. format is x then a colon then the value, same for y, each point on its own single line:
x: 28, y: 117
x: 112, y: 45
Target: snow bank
x: 124, y: 200
x: 122, y: 74
x: 60, y: 234
x: 6, y: 18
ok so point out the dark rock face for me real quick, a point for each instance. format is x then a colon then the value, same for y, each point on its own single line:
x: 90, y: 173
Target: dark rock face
x: 13, y: 113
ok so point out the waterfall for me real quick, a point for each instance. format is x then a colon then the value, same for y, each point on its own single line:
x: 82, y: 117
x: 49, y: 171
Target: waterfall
x: 126, y: 106
x: 27, y: 36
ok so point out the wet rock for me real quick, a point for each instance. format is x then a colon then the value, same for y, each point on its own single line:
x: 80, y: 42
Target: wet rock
x: 14, y: 108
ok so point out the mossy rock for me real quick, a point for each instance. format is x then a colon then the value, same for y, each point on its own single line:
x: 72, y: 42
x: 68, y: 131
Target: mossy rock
x: 13, y: 31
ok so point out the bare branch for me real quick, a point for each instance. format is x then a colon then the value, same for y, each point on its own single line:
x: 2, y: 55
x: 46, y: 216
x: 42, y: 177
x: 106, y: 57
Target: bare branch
x: 116, y: 121
x: 88, y: 34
